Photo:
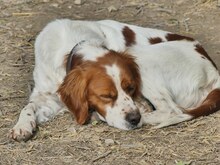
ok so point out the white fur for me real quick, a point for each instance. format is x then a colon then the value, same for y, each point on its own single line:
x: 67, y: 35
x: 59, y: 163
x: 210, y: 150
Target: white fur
x: 174, y: 75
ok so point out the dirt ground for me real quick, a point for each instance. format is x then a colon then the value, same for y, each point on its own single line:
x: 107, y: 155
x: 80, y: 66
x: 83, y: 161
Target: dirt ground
x: 61, y: 141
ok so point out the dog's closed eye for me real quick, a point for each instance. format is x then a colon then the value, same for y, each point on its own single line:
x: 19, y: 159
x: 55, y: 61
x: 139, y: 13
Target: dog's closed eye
x: 108, y: 97
x: 130, y: 89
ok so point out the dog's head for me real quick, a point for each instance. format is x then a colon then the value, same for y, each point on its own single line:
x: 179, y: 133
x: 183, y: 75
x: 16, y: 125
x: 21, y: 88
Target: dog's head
x: 107, y: 85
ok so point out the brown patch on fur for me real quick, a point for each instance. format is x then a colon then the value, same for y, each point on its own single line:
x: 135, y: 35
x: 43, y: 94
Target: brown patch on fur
x: 202, y: 51
x: 28, y: 114
x: 128, y: 67
x: 210, y: 105
x: 88, y: 86
x: 155, y: 40
x: 129, y: 36
x: 177, y: 37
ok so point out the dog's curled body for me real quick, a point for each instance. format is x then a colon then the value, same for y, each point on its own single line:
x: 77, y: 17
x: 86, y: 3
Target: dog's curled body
x: 172, y: 71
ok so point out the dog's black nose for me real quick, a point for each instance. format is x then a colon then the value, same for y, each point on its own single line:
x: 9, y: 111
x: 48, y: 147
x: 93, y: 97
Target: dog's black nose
x: 133, y: 118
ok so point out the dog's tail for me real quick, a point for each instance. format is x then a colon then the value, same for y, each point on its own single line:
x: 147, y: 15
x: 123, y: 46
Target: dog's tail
x: 210, y: 105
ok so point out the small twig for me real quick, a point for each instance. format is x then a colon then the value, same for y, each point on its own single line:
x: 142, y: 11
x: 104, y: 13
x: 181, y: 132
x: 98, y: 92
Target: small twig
x: 134, y: 5
x: 129, y: 20
x: 3, y: 143
x: 186, y: 25
x: 5, y: 27
x: 165, y: 10
x: 23, y: 14
x: 16, y: 65
x: 140, y: 9
x: 218, y: 3
x: 102, y: 156
x: 83, y: 148
x: 11, y: 97
x: 145, y: 153
x: 17, y: 47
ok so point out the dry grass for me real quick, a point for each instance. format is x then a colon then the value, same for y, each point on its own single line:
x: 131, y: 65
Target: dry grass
x: 61, y: 141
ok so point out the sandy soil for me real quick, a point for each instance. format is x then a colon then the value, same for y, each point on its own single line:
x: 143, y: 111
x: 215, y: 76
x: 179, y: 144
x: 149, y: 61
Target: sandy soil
x: 61, y: 141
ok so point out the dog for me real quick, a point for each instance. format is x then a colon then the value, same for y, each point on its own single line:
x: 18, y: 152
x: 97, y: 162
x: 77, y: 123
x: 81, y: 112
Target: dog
x: 111, y: 69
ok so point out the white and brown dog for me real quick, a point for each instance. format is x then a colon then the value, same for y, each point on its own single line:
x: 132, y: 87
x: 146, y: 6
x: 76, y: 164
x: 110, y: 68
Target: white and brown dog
x: 111, y: 65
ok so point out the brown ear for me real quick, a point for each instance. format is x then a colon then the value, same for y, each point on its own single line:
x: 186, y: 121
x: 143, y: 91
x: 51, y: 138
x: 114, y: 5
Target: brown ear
x: 73, y: 94
x: 130, y: 62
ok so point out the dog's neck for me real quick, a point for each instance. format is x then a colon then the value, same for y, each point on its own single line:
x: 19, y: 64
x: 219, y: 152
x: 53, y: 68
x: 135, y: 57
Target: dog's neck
x: 86, y: 50
x: 70, y: 56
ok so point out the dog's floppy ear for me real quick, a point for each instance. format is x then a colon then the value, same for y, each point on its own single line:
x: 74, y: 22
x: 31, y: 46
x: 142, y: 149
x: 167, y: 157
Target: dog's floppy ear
x: 73, y: 94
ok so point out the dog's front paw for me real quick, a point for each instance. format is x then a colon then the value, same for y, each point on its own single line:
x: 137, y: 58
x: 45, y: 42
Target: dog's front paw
x: 22, y: 131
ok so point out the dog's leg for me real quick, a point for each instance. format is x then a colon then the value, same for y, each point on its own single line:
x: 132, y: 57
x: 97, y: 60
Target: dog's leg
x: 163, y: 118
x: 146, y: 110
x: 41, y: 107
x: 167, y: 111
x: 165, y: 115
x: 26, y: 124
x: 150, y: 116
x: 154, y: 118
x: 174, y: 119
